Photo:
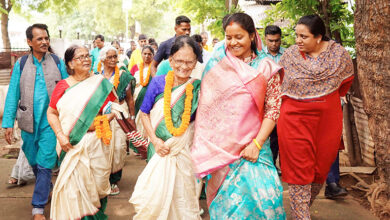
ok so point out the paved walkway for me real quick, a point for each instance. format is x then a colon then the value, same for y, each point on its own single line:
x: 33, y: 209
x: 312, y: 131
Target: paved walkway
x: 15, y: 202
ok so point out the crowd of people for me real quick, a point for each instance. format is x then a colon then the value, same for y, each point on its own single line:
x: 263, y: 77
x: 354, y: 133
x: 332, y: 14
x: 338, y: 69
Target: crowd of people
x: 215, y: 117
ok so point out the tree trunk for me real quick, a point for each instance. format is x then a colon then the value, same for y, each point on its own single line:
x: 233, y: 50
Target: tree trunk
x: 4, y: 32
x: 372, y: 32
x: 324, y: 4
x: 7, y: 5
x: 234, y: 4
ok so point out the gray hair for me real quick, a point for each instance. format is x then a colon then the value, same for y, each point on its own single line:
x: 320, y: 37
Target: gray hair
x: 204, y: 33
x: 104, y: 50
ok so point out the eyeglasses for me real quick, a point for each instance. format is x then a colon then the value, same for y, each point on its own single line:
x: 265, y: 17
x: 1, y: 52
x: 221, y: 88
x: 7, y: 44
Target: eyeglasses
x: 82, y: 58
x: 112, y: 57
x: 191, y: 63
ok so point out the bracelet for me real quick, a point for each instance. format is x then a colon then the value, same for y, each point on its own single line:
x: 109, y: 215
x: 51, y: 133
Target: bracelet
x: 257, y: 144
x: 132, y: 117
x: 58, y: 132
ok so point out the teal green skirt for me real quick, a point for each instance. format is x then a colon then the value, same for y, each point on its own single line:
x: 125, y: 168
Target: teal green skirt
x: 250, y: 190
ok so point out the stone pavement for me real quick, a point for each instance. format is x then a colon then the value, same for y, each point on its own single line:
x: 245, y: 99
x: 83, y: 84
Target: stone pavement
x: 15, y: 201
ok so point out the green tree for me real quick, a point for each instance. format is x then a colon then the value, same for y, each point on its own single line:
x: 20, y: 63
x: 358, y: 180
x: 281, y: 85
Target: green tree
x: 335, y: 13
x: 156, y: 17
x: 25, y: 7
x: 209, y: 12
x: 87, y: 17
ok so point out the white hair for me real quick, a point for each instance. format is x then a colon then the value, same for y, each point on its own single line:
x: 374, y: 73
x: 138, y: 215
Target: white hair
x: 104, y: 50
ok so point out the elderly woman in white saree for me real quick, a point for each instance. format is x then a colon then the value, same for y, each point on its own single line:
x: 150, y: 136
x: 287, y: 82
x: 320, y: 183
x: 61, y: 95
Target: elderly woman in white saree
x: 124, y: 84
x: 167, y: 188
x: 83, y: 138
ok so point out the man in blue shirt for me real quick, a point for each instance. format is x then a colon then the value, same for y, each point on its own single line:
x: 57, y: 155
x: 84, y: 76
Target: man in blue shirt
x: 99, y: 41
x: 182, y: 27
x: 273, y: 50
x: 33, y: 80
x: 273, y: 40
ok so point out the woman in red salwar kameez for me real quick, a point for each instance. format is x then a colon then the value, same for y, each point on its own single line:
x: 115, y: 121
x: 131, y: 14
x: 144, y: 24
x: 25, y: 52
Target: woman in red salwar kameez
x: 318, y: 71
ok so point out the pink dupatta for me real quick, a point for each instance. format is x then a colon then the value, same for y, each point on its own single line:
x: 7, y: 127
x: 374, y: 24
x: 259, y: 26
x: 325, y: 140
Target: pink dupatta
x: 229, y: 116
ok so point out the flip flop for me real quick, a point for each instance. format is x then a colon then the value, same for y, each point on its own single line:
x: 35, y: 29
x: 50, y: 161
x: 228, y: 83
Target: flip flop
x: 114, y: 186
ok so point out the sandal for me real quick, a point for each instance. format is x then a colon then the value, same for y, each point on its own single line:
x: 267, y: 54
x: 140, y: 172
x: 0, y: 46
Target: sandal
x: 114, y: 190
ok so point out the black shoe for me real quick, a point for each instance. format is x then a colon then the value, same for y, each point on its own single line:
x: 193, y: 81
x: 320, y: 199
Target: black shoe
x: 334, y: 191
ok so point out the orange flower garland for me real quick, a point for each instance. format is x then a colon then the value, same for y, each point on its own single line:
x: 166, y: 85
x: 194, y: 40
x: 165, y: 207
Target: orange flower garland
x: 141, y: 74
x: 116, y: 74
x: 99, y: 66
x: 102, y: 129
x: 116, y: 77
x: 185, y: 118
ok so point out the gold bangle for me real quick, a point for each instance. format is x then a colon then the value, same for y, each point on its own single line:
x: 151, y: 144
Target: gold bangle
x: 257, y: 144
x: 58, y: 132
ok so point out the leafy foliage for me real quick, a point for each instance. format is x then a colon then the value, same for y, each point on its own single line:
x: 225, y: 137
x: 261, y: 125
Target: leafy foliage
x: 98, y: 16
x: 156, y: 17
x: 27, y: 7
x: 210, y: 12
x: 289, y: 11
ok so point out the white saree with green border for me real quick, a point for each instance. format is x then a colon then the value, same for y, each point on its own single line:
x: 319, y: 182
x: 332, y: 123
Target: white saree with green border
x: 84, y: 173
x: 167, y: 187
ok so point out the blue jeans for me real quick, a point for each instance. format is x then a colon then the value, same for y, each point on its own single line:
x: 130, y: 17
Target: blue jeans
x: 43, y: 186
x: 334, y: 173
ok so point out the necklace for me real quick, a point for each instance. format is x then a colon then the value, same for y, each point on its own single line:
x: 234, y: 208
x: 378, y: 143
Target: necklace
x: 186, y: 116
x: 250, y: 58
x: 141, y: 74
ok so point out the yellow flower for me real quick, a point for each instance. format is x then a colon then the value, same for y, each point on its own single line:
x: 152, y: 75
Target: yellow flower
x: 99, y: 66
x: 116, y: 77
x: 102, y: 129
x: 141, y: 75
x: 186, y: 116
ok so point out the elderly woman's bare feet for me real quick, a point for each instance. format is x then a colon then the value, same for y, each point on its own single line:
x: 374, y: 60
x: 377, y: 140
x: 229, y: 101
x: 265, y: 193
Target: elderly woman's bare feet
x: 12, y: 181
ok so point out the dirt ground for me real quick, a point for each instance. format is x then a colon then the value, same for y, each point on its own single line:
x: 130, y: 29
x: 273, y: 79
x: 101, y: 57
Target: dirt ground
x: 360, y: 196
x: 345, y: 180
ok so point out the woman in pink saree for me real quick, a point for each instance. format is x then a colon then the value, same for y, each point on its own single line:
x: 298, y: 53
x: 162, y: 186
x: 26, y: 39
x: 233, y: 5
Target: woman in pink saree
x: 239, y: 104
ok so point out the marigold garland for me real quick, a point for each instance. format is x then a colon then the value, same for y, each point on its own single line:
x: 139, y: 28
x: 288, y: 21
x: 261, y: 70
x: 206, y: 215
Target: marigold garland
x: 116, y: 77
x: 116, y: 74
x: 102, y: 129
x: 141, y: 74
x: 99, y: 66
x: 185, y: 119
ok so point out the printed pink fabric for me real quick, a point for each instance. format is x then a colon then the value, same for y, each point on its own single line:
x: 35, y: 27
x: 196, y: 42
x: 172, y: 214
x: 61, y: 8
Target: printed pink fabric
x: 232, y: 100
x: 231, y: 108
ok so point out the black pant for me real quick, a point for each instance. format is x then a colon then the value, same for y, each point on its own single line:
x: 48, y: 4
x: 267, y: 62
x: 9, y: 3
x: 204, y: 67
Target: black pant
x: 334, y: 172
x: 274, y: 144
